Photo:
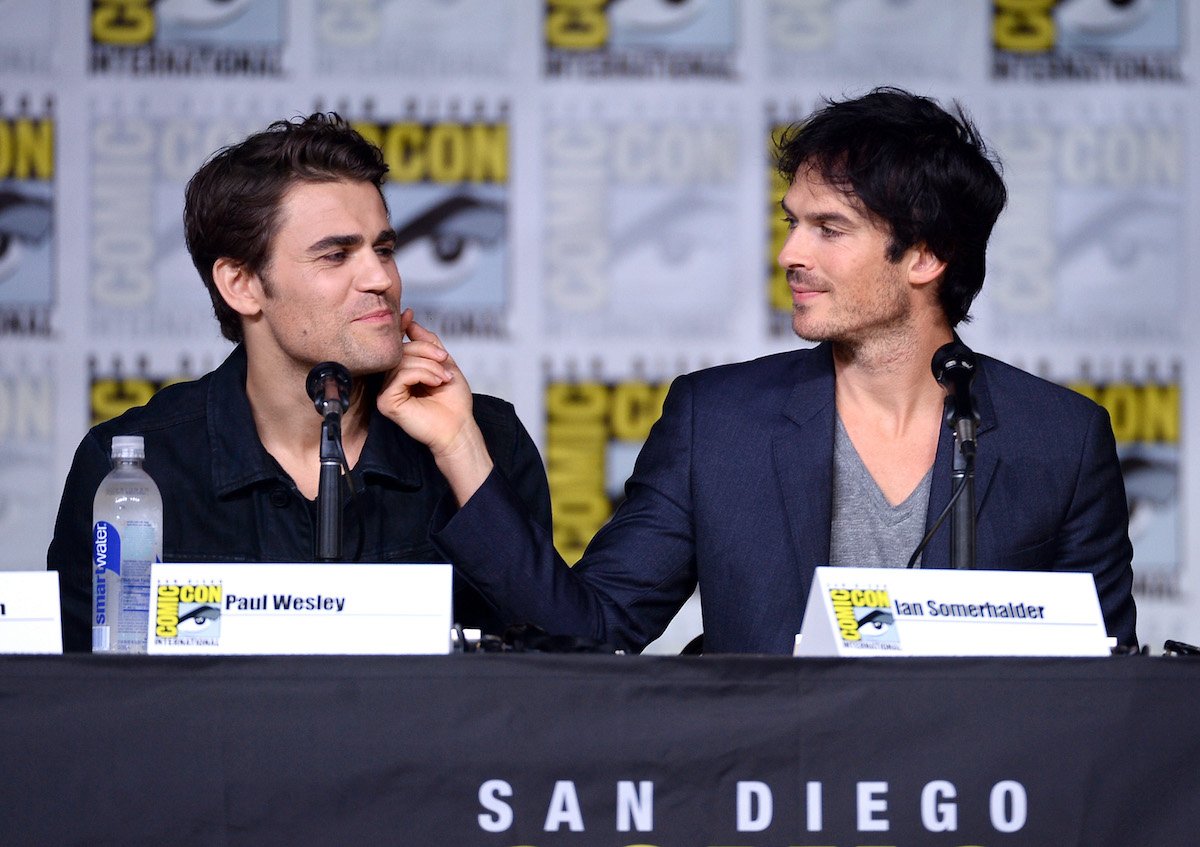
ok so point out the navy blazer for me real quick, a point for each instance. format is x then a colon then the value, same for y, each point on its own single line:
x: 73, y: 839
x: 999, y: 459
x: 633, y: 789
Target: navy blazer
x: 733, y: 491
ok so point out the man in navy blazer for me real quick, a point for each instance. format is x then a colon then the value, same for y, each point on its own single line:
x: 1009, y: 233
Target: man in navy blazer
x: 759, y: 472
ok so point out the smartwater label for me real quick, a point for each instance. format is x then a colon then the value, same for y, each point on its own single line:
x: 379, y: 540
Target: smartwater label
x: 106, y: 548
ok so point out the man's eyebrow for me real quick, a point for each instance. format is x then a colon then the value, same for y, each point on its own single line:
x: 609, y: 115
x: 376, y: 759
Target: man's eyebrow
x: 831, y: 216
x: 342, y: 242
x: 331, y: 241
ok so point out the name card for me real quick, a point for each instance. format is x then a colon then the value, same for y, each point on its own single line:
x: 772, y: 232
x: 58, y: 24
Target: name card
x: 900, y: 612
x: 299, y: 608
x: 29, y: 615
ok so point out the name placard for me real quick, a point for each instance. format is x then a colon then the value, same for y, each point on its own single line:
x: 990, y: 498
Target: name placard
x: 29, y: 612
x: 290, y: 608
x: 896, y: 612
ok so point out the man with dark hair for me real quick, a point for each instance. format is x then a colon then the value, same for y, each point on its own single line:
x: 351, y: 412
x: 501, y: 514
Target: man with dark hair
x: 759, y: 472
x: 290, y: 232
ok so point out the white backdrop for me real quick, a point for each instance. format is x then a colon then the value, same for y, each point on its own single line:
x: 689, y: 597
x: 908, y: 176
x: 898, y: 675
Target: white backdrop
x: 588, y: 207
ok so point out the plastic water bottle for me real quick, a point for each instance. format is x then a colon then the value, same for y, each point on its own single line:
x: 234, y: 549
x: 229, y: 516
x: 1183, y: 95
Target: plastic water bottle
x: 126, y: 539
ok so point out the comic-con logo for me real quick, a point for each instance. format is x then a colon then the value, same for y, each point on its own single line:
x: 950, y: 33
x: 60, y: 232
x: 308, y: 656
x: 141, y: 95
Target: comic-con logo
x: 640, y: 38
x: 594, y: 431
x: 188, y: 612
x: 187, y: 37
x: 26, y: 215
x: 1087, y: 39
x: 447, y: 189
x: 864, y: 618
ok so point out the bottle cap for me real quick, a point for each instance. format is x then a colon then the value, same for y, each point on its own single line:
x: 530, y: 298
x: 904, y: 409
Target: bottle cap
x: 128, y: 447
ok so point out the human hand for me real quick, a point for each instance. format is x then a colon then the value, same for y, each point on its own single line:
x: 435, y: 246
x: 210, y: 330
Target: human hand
x: 428, y: 397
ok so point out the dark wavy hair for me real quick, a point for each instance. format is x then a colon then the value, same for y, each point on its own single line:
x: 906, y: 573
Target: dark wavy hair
x: 925, y: 172
x: 231, y: 206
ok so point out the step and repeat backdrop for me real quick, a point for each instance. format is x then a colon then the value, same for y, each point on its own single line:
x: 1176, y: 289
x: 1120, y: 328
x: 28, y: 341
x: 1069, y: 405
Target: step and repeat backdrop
x: 586, y: 207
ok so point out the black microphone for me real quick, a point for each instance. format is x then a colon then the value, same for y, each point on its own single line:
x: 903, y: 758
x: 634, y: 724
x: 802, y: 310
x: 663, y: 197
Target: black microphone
x: 954, y: 369
x: 328, y: 385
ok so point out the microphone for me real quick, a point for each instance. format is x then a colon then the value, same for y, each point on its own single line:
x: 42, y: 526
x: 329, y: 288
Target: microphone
x: 954, y: 368
x: 328, y: 385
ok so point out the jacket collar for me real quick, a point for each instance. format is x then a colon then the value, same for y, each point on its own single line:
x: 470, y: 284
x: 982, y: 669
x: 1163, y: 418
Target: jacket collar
x: 803, y: 449
x: 803, y: 452
x: 238, y: 458
x: 937, y: 552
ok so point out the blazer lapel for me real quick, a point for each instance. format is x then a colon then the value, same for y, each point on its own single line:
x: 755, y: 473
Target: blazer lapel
x: 803, y: 450
x: 937, y: 552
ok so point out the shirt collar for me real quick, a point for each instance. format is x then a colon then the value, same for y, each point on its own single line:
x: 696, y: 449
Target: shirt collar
x: 389, y: 452
x: 239, y: 458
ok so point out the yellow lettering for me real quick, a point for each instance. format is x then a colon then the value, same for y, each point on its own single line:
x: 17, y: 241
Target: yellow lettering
x: 576, y: 24
x: 576, y: 439
x: 635, y: 408
x: 1139, y: 413
x: 111, y: 397
x: 166, y: 615
x: 123, y: 22
x: 778, y: 293
x: 1160, y: 418
x: 442, y: 152
x: 27, y: 148
x: 1024, y: 26
x: 489, y: 146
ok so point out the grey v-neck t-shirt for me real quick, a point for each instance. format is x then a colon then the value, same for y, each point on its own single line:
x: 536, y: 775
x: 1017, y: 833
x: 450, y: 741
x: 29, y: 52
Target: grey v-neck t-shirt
x: 867, y: 530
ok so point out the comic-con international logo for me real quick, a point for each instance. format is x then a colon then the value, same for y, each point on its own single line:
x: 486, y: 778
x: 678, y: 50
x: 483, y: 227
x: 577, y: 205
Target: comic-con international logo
x: 1087, y: 39
x: 640, y: 38
x: 864, y: 618
x: 26, y: 215
x: 594, y: 431
x: 188, y: 613
x: 447, y: 190
x: 187, y: 37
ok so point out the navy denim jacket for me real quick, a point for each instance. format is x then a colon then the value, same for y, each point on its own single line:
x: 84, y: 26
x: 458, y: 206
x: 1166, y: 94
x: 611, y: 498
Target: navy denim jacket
x: 225, y: 499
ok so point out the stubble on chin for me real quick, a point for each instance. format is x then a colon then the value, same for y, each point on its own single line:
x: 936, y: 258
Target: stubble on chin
x: 804, y: 326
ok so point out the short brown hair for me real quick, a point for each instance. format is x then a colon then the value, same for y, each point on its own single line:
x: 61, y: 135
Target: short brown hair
x: 231, y: 206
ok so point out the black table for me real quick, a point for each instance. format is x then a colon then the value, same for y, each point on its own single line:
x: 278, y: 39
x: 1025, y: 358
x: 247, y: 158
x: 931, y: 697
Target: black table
x: 525, y: 749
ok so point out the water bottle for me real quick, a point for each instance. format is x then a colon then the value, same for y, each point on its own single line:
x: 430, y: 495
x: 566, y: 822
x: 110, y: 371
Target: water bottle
x: 126, y: 539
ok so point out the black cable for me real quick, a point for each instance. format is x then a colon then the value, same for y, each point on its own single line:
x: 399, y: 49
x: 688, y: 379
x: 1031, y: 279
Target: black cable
x: 958, y: 490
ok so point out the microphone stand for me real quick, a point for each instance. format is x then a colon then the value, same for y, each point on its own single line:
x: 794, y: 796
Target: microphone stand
x: 962, y: 521
x: 329, y: 387
x: 329, y: 491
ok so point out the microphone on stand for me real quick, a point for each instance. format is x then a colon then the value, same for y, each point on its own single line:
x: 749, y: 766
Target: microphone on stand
x: 954, y: 369
x: 328, y: 385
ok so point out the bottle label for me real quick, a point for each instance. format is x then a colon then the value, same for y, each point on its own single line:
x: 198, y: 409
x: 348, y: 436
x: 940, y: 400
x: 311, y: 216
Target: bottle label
x: 106, y: 548
x: 106, y: 559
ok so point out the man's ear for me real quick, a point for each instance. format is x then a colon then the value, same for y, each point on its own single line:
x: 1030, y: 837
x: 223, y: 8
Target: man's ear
x: 240, y: 289
x: 923, y: 266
